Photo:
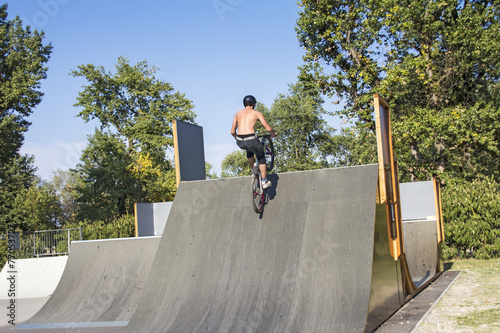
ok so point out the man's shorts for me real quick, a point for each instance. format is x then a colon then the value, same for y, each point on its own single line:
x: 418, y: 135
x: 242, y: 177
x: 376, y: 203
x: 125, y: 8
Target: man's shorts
x: 253, y: 147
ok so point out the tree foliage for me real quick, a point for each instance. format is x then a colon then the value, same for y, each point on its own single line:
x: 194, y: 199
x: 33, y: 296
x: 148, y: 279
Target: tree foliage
x: 298, y: 118
x: 435, y: 62
x: 235, y: 164
x: 351, y: 146
x: 472, y: 212
x: 125, y: 159
x: 22, y: 66
x: 134, y: 104
x: 36, y: 208
x: 23, y: 58
x: 64, y: 183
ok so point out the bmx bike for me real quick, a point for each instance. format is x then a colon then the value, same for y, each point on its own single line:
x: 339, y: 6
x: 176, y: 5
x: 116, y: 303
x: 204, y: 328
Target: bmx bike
x: 258, y: 193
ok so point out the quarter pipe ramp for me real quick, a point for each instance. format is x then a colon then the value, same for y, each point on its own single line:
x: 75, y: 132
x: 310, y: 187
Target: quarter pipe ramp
x: 304, y: 265
x: 102, y: 282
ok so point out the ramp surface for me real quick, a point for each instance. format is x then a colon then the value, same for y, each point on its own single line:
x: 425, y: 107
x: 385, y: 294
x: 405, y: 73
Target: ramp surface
x: 304, y: 265
x: 102, y: 282
x: 35, y: 277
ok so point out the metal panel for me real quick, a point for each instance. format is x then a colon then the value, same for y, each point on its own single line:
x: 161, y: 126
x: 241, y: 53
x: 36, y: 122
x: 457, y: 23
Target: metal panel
x: 161, y: 212
x: 421, y: 247
x: 417, y: 200
x: 151, y: 218
x: 189, y: 151
x: 144, y: 214
x: 386, y: 286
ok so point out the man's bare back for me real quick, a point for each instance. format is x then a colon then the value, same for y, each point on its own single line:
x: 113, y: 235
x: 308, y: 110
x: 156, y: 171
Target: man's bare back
x: 244, y: 122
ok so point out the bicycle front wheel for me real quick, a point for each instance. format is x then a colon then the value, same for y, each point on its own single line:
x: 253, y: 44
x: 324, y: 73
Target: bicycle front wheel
x: 257, y: 195
x: 268, y: 152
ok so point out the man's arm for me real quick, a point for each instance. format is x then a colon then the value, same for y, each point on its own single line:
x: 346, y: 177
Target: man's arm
x: 234, y: 127
x: 266, y: 125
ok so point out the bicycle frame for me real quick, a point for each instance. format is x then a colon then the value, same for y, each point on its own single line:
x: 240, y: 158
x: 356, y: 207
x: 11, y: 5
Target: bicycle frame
x: 258, y: 194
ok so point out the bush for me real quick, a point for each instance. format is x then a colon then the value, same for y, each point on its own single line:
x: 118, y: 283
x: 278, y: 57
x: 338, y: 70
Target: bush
x: 471, y: 214
x: 120, y: 227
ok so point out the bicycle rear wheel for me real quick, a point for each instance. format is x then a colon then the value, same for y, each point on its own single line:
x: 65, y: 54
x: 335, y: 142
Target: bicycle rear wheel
x: 257, y: 195
x: 268, y: 152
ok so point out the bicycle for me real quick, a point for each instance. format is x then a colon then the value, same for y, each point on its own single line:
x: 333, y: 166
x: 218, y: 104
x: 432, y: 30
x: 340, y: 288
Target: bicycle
x: 258, y: 194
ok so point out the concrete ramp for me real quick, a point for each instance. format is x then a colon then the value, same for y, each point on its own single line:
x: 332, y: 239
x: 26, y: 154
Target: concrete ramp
x: 102, y: 282
x: 35, y: 277
x: 304, y: 265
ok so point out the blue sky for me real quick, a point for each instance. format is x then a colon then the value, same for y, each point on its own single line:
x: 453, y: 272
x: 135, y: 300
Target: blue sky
x: 214, y: 51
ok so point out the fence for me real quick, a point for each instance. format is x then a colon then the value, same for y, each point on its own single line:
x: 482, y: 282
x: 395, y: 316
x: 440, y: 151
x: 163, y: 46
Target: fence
x: 35, y: 244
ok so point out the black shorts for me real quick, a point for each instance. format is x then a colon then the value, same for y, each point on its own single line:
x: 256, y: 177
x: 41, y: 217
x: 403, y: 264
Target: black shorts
x: 253, y: 147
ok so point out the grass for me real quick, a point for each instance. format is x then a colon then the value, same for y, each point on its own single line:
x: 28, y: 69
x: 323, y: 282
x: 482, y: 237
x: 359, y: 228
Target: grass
x: 472, y: 304
x: 480, y: 318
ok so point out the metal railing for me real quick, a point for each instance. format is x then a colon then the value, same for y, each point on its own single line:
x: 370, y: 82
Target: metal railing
x: 36, y: 244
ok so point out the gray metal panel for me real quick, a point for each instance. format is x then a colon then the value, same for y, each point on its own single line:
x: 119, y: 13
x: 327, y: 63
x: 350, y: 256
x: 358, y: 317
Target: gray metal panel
x: 161, y: 212
x: 102, y: 281
x: 304, y: 265
x: 417, y: 200
x: 385, y: 293
x: 191, y: 151
x: 151, y: 218
x: 421, y: 248
x: 145, y: 219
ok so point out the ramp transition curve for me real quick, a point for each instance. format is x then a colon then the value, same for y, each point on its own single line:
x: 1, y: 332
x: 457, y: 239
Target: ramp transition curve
x: 304, y: 265
x: 102, y: 282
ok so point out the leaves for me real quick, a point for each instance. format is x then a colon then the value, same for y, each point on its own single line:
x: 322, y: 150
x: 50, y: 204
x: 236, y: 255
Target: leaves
x: 471, y: 211
x: 298, y: 118
x: 23, y: 57
x: 133, y: 103
x: 125, y: 160
x: 235, y: 164
x: 22, y: 66
x: 435, y: 62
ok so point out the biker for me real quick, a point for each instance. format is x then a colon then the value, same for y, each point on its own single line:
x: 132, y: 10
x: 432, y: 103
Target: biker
x: 244, y: 121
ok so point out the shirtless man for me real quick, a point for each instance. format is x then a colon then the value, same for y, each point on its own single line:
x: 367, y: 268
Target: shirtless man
x: 244, y: 121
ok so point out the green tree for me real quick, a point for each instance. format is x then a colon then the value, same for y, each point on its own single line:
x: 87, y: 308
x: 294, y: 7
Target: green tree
x: 36, y: 208
x: 353, y: 146
x: 209, y: 173
x: 447, y: 63
x: 435, y: 62
x: 298, y: 118
x: 64, y: 183
x: 341, y: 38
x: 18, y: 176
x: 125, y: 160
x: 23, y: 58
x: 235, y: 164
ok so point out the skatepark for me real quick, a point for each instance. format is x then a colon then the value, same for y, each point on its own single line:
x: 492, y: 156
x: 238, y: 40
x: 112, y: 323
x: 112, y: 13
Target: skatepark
x: 329, y: 253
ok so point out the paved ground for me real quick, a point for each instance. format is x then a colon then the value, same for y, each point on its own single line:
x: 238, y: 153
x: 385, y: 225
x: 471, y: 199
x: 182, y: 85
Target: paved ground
x: 410, y: 316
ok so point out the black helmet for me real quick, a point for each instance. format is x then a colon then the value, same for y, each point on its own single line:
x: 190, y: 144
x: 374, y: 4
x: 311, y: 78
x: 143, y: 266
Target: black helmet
x: 249, y: 100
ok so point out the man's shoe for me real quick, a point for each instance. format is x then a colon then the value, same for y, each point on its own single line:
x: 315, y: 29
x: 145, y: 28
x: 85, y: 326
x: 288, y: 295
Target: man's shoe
x: 266, y: 184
